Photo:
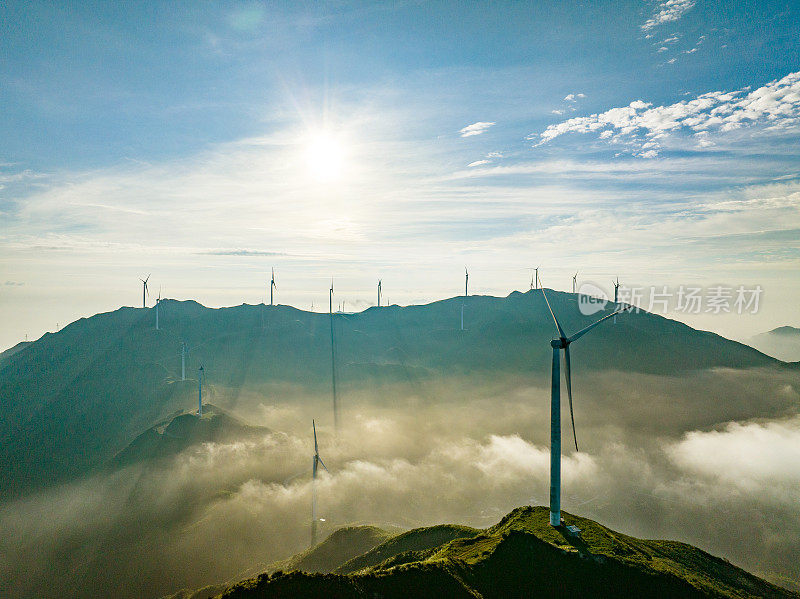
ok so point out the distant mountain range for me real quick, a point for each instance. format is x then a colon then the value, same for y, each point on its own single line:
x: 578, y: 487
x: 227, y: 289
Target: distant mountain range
x: 782, y: 343
x: 521, y: 556
x: 74, y: 399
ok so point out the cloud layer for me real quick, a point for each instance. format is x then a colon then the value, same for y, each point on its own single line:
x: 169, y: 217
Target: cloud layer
x: 668, y: 12
x: 774, y: 107
x: 657, y: 462
x: 475, y: 128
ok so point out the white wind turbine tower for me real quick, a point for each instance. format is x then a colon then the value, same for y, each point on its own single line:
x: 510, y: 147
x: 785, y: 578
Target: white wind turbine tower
x: 317, y: 462
x: 563, y: 342
x: 200, y: 376
x: 158, y: 301
x: 616, y: 295
x: 535, y: 278
x: 272, y: 286
x: 466, y: 293
x: 183, y: 360
x: 145, y: 291
x: 333, y: 365
x: 575, y: 282
x: 379, y: 293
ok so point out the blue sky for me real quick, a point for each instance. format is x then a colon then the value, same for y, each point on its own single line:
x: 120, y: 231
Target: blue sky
x: 654, y: 140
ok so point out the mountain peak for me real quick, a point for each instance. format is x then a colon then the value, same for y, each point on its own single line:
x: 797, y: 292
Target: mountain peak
x: 523, y: 556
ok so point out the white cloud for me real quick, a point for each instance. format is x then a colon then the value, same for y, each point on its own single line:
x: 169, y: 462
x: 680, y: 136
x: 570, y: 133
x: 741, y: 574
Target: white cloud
x: 475, y: 128
x: 668, y: 11
x: 478, y: 163
x: 573, y: 97
x: 555, y: 111
x: 663, y: 49
x: 494, y: 155
x: 752, y: 456
x: 775, y: 107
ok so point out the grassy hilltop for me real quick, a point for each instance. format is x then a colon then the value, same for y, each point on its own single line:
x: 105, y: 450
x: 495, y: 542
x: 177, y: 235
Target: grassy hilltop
x: 521, y: 556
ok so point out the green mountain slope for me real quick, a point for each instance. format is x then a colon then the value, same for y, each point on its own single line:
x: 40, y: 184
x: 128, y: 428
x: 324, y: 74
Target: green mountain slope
x: 522, y: 556
x: 5, y: 355
x: 72, y: 400
x: 410, y: 545
x: 342, y: 545
x: 173, y: 436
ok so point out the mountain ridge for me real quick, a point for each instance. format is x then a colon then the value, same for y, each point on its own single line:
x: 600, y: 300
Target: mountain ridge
x: 100, y: 381
x: 523, y: 556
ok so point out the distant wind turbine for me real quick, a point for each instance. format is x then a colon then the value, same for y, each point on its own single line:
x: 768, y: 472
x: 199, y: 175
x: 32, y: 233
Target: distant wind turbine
x: 145, y: 291
x: 616, y: 295
x: 200, y: 376
x: 317, y: 462
x: 272, y: 286
x: 183, y: 360
x: 466, y: 293
x: 158, y: 301
x: 379, y: 293
x: 535, y: 278
x: 333, y: 365
x: 563, y: 342
x: 575, y: 282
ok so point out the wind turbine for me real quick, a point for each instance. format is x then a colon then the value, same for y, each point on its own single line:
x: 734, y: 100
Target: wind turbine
x: 466, y: 293
x: 333, y: 365
x: 317, y: 462
x: 563, y: 342
x: 616, y: 295
x: 183, y: 360
x: 379, y: 293
x: 158, y: 301
x: 272, y: 286
x: 145, y: 291
x: 200, y: 376
x: 574, y: 281
x: 535, y: 279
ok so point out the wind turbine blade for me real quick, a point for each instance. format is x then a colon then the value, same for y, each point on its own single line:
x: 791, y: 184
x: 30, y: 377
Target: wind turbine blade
x: 585, y: 330
x: 568, y: 375
x: 319, y: 459
x: 558, y: 326
x: 316, y: 448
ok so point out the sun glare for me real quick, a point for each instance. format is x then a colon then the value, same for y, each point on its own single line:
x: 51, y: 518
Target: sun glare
x: 325, y: 156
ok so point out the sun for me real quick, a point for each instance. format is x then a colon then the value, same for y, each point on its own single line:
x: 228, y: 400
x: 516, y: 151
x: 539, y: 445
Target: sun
x: 325, y: 156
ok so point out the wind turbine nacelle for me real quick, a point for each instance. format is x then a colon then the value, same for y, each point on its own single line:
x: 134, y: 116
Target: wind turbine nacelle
x: 559, y: 343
